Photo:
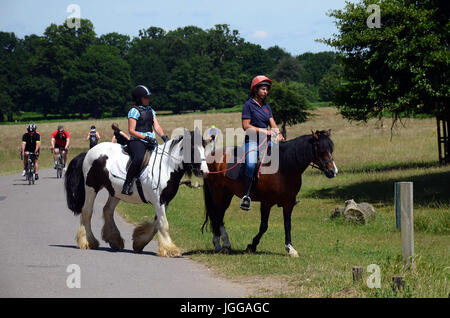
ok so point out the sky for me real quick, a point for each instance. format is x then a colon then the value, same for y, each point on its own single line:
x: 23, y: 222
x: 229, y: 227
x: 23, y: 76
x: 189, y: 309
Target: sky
x: 293, y: 25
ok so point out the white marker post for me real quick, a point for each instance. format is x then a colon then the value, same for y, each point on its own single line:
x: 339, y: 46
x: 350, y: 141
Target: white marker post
x: 404, y: 210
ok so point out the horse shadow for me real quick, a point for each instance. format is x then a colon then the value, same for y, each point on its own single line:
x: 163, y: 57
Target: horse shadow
x: 107, y: 249
x: 230, y: 252
x: 429, y: 188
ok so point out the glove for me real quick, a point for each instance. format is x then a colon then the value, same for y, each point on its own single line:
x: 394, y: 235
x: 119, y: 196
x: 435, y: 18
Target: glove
x: 165, y: 138
x: 150, y: 141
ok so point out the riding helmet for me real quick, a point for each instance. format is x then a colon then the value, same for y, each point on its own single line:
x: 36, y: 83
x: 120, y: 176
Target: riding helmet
x: 260, y: 80
x: 139, y: 92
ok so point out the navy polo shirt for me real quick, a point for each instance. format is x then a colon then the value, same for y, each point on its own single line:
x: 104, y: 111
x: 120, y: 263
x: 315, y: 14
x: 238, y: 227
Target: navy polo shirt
x: 259, y: 115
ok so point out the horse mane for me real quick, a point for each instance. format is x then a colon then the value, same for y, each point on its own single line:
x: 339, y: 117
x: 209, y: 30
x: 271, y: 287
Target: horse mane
x: 297, y: 153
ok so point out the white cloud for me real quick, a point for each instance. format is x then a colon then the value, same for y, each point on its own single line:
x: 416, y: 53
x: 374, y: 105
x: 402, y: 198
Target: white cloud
x: 260, y: 35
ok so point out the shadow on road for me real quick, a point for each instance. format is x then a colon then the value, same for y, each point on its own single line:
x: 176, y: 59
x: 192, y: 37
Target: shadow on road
x: 107, y: 249
x: 232, y: 252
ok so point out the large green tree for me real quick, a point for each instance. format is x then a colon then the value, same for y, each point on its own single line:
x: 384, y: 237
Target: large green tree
x: 402, y: 67
x: 289, y: 107
x: 100, y: 82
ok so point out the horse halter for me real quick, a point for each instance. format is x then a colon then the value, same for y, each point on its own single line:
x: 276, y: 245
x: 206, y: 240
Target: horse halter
x: 323, y: 163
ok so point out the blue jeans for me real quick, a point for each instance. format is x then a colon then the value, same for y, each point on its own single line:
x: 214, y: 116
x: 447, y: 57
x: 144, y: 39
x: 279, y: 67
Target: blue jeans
x: 251, y: 158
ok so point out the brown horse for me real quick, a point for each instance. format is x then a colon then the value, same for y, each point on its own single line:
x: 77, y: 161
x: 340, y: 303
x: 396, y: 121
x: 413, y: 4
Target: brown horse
x: 279, y: 188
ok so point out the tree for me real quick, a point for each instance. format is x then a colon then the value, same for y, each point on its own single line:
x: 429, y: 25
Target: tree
x: 330, y: 83
x: 315, y: 66
x: 288, y: 69
x: 100, y: 82
x: 402, y: 67
x: 288, y: 106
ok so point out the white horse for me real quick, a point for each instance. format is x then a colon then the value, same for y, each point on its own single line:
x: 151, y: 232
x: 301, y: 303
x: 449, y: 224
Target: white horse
x: 98, y: 168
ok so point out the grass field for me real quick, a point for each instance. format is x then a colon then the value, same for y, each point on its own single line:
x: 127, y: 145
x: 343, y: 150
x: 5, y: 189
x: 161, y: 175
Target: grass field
x: 369, y: 163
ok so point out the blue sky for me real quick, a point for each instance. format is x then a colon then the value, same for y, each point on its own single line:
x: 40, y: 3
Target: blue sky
x: 290, y: 24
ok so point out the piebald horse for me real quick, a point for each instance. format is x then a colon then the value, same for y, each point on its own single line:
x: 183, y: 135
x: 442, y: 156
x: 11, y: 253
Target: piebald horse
x: 278, y: 188
x: 90, y: 172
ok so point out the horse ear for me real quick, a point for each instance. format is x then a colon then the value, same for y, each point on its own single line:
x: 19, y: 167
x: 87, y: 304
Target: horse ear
x: 328, y: 133
x: 315, y: 135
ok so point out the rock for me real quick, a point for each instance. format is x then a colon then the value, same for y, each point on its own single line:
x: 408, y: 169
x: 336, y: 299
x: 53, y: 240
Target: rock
x: 354, y: 212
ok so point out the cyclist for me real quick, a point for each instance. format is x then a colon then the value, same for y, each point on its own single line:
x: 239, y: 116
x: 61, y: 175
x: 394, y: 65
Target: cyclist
x: 31, y: 142
x: 93, y: 137
x: 60, y: 142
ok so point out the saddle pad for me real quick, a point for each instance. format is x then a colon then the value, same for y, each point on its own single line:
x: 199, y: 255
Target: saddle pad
x: 237, y: 171
x: 119, y: 165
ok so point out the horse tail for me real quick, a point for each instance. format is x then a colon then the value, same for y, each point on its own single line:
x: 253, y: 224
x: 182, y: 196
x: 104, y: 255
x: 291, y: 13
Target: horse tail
x: 74, y: 184
x: 209, y: 205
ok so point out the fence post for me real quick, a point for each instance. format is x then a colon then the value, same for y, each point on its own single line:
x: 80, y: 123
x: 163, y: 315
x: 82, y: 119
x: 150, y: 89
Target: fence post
x: 404, y: 202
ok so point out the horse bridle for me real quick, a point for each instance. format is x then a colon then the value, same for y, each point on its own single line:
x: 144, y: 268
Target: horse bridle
x: 323, y: 163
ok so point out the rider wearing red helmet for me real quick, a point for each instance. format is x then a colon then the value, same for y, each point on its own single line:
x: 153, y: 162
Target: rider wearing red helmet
x: 256, y: 118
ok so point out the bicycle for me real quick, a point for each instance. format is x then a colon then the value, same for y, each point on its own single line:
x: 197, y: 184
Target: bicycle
x: 60, y: 164
x: 30, y: 172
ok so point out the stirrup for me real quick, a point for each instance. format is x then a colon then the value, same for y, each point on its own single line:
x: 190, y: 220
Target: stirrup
x: 246, y: 203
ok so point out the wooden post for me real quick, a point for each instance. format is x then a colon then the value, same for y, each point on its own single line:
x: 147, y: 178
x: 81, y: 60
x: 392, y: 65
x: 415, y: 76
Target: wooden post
x: 357, y: 274
x: 404, y: 200
x: 398, y: 214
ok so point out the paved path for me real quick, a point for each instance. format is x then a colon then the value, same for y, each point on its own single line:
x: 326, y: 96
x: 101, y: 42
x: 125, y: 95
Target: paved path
x: 37, y: 244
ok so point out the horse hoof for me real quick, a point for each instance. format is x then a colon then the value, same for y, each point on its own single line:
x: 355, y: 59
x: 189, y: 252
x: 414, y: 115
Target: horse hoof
x: 117, y: 246
x: 293, y: 255
x: 250, y: 249
x: 225, y: 250
x: 169, y: 252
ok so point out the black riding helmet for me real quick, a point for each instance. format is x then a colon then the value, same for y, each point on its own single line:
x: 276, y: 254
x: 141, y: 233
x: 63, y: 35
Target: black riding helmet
x: 139, y: 92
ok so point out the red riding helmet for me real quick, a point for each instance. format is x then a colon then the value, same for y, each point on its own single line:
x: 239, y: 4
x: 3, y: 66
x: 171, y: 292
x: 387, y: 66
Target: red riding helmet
x: 260, y: 80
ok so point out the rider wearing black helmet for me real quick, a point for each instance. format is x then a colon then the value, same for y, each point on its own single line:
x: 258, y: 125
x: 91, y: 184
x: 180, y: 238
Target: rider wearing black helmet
x: 141, y: 122
x: 31, y: 142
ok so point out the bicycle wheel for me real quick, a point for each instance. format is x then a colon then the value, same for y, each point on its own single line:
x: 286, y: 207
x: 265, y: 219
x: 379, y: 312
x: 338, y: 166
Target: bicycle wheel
x: 58, y: 172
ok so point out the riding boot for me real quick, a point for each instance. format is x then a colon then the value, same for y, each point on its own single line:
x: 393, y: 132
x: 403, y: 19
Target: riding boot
x: 128, y: 184
x: 246, y: 201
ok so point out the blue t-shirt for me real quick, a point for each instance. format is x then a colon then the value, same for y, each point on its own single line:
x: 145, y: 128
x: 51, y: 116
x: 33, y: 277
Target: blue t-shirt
x: 259, y: 115
x: 134, y: 113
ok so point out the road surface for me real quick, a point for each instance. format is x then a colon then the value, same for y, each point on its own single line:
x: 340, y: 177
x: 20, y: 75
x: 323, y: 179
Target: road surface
x: 37, y: 249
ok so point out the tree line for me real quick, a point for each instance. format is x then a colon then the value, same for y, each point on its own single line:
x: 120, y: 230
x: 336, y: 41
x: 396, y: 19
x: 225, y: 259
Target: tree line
x: 74, y: 71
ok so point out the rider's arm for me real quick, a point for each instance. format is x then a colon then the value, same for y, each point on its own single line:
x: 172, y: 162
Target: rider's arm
x: 98, y: 135
x: 22, y: 147
x: 53, y: 142
x: 38, y: 144
x: 246, y: 125
x: 157, y: 127
x: 67, y: 143
x: 273, y: 126
x: 125, y: 135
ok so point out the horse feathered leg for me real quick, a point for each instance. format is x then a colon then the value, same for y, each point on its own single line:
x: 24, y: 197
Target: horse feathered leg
x: 143, y: 234
x: 110, y: 232
x: 166, y: 247
x: 85, y: 237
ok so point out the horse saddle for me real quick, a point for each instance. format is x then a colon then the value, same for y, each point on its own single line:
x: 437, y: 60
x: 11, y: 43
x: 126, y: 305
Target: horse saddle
x: 145, y: 161
x: 235, y: 170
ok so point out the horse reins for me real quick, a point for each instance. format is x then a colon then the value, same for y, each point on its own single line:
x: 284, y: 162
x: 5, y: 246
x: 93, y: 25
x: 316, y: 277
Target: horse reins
x: 243, y: 158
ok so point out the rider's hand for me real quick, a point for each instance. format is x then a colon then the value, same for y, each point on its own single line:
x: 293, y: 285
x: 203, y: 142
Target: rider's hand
x: 280, y: 137
x: 66, y: 149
